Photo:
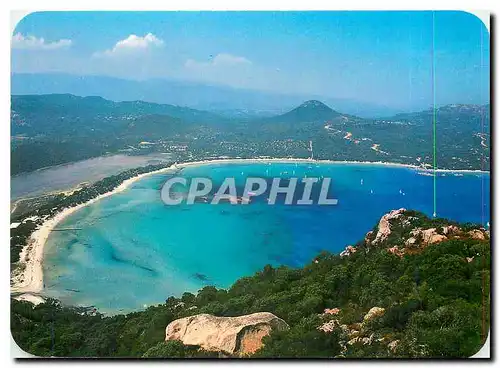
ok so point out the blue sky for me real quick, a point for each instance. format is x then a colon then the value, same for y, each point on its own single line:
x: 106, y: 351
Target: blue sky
x: 377, y: 57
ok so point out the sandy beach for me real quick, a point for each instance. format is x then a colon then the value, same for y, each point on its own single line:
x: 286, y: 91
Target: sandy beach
x: 28, y: 278
x: 319, y: 162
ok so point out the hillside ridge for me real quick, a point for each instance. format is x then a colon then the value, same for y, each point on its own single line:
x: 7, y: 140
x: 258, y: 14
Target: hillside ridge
x: 413, y: 287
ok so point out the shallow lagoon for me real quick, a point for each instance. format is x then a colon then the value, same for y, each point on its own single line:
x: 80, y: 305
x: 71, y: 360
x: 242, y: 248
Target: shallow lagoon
x: 68, y: 176
x: 130, y: 250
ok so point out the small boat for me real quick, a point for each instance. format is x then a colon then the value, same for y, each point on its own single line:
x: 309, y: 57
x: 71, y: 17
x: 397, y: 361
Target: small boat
x: 361, y: 181
x: 425, y: 173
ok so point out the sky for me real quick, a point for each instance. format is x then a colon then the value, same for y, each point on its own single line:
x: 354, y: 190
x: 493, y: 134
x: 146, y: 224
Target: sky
x: 382, y: 58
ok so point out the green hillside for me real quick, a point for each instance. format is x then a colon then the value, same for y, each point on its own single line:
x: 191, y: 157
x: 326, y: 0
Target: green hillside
x: 49, y: 130
x: 431, y: 277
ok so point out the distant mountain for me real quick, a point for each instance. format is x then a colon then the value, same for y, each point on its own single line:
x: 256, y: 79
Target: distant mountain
x: 247, y: 114
x: 463, y: 119
x: 68, y: 103
x: 308, y: 112
x: 251, y: 103
x: 60, y: 114
x: 460, y: 111
x: 68, y: 127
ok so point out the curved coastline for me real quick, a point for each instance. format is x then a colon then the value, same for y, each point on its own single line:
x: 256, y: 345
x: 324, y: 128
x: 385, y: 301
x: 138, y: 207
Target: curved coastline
x: 29, y: 280
x: 307, y: 160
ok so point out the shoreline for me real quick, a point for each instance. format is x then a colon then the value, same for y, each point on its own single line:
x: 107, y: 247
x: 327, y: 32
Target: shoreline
x: 29, y: 279
x: 307, y: 160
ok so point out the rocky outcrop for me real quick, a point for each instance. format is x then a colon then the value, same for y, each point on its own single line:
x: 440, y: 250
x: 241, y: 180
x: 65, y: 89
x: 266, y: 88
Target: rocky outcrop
x: 332, y: 311
x: 32, y: 298
x: 427, y: 236
x: 230, y: 335
x: 329, y: 326
x: 393, y: 346
x: 450, y: 230
x: 348, y: 251
x: 372, y: 313
x: 355, y: 333
x: 401, y: 233
x: 396, y: 251
x: 384, y: 225
x: 424, y: 237
x: 410, y: 238
x: 477, y: 234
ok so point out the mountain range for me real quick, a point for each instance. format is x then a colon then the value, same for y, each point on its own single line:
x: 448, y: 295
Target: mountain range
x: 224, y: 100
x: 53, y: 129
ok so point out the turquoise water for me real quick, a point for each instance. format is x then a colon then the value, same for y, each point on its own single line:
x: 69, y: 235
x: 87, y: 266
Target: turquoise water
x: 131, y: 250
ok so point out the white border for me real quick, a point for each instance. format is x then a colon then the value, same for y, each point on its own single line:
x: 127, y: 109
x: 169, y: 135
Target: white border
x: 11, y: 19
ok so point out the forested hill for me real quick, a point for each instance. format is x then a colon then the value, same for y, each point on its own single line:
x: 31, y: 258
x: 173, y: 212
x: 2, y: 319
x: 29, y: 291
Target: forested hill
x: 428, y: 280
x: 60, y: 114
x: 309, y: 111
x: 53, y: 129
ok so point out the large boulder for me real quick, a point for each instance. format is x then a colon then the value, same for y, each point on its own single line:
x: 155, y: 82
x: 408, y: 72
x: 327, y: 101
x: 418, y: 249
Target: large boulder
x: 477, y: 234
x: 374, y: 312
x: 231, y: 335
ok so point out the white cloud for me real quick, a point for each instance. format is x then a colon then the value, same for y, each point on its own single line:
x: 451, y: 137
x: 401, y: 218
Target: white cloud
x: 133, y: 44
x: 19, y: 41
x: 218, y: 60
x: 223, y: 68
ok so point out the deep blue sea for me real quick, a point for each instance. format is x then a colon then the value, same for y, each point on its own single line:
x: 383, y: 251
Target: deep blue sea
x: 131, y: 250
